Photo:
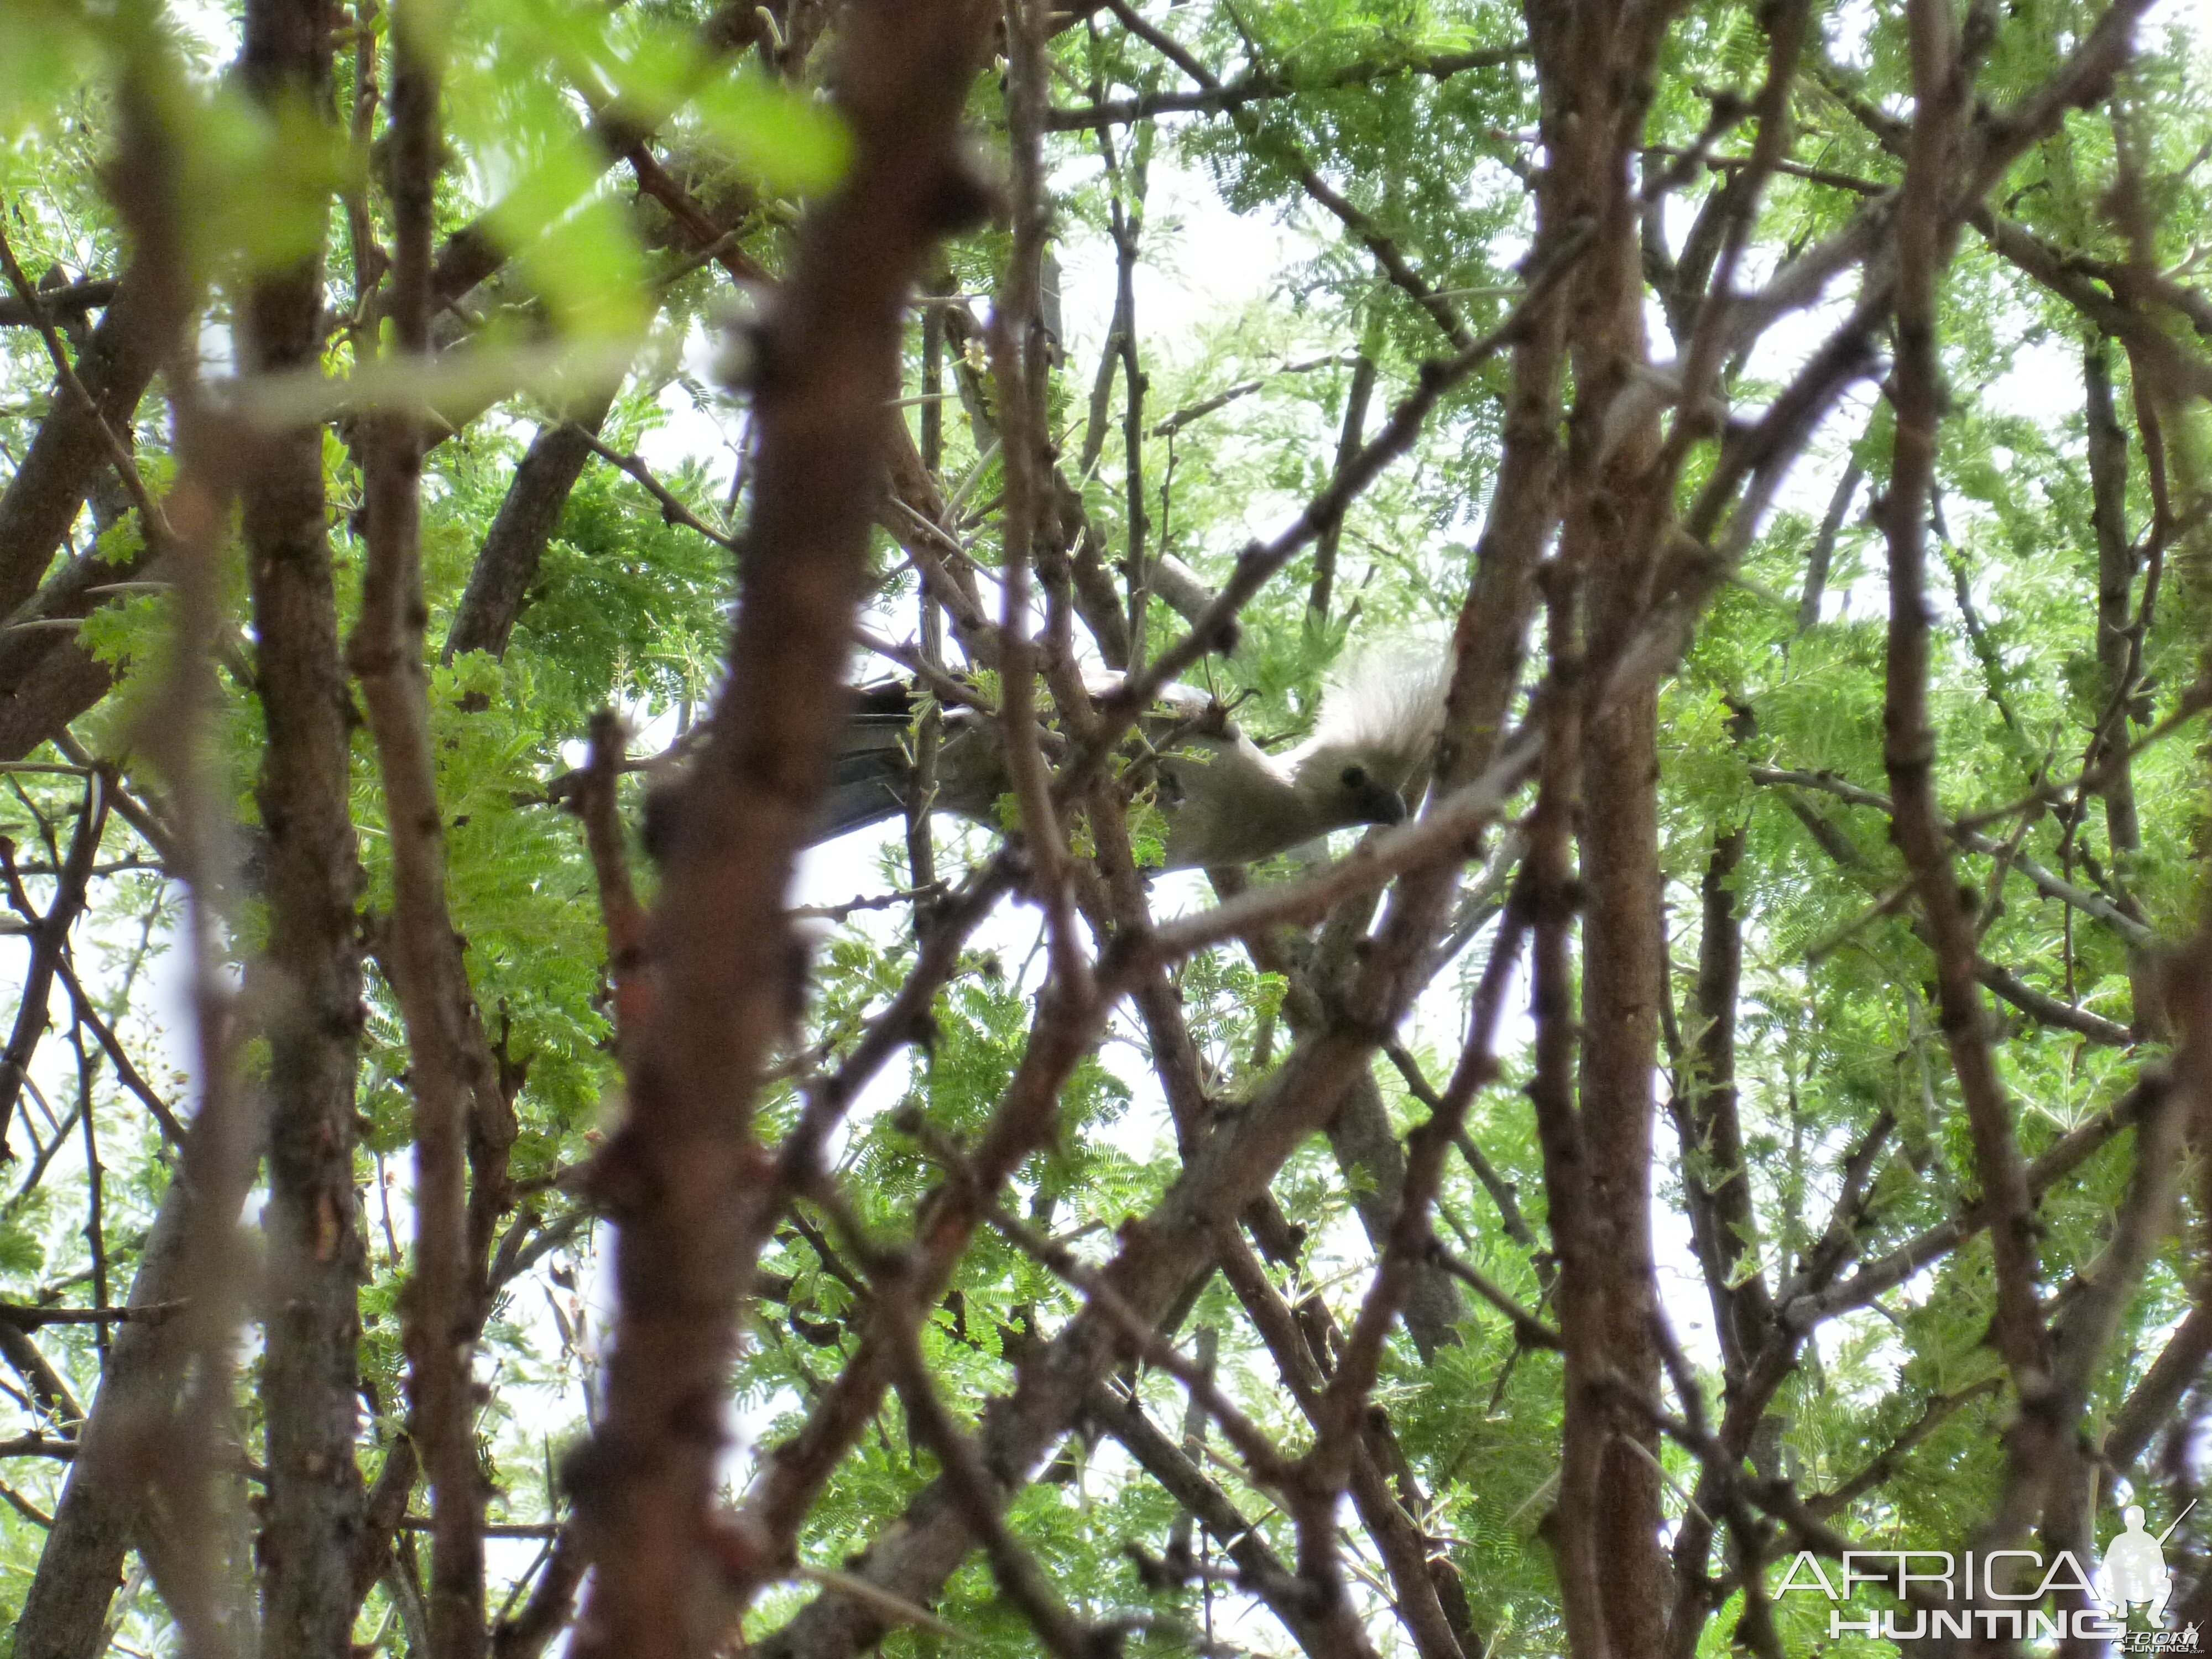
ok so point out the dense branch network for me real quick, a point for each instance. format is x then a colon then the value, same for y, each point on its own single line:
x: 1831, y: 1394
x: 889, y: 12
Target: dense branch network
x: 912, y: 1272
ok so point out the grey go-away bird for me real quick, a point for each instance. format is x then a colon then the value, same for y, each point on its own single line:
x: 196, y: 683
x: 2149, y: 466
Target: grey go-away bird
x: 1225, y: 799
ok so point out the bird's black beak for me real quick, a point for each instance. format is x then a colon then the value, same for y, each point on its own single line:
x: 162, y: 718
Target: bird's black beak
x: 1379, y: 804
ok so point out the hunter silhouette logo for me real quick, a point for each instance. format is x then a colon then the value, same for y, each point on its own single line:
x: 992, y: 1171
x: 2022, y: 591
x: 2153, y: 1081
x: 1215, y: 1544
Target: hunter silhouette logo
x: 2135, y: 1568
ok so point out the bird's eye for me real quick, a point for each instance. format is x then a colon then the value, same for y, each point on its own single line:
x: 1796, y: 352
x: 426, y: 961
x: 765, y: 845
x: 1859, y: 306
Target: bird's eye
x: 1354, y: 777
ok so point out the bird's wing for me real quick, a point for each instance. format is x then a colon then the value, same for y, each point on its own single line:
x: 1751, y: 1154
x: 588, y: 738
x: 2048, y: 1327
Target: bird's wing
x: 1224, y: 801
x: 871, y: 770
x: 871, y: 774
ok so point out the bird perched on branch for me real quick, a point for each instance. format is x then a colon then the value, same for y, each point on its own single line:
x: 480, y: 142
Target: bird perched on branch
x: 1225, y: 799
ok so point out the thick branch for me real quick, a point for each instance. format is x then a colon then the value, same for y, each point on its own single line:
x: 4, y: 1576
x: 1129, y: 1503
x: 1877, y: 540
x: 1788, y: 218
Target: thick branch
x: 422, y: 953
x: 1225, y: 95
x: 690, y: 1189
x: 310, y: 1377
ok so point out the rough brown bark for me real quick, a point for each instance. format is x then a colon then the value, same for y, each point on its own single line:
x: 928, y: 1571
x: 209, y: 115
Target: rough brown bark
x: 1756, y: 1350
x: 45, y: 496
x: 382, y: 1508
x: 2118, y: 654
x: 448, y: 1067
x: 1595, y: 63
x: 47, y: 679
x: 2116, y: 575
x: 1622, y: 942
x: 506, y: 564
x: 103, y: 1503
x: 689, y: 1185
x: 1909, y: 747
x: 68, y: 299
x: 1721, y: 1210
x: 310, y: 1377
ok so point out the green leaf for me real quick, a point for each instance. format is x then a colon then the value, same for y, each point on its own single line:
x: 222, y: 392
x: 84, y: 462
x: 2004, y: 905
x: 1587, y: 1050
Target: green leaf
x: 779, y: 136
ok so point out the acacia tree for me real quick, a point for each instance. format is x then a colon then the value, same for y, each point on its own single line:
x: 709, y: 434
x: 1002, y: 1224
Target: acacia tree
x: 1758, y: 1104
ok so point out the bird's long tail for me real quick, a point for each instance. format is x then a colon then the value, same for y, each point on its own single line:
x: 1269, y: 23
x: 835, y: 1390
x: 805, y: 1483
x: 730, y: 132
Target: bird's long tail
x: 873, y: 770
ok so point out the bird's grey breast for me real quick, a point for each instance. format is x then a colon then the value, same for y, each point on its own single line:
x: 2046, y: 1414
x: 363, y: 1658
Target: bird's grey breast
x: 1227, y: 803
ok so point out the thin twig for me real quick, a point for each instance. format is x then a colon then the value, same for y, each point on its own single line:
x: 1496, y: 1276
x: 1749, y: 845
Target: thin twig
x: 387, y: 656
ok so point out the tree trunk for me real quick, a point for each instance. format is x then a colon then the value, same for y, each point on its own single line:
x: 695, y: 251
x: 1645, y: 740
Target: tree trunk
x: 1595, y: 62
x: 103, y: 1504
x: 310, y: 1379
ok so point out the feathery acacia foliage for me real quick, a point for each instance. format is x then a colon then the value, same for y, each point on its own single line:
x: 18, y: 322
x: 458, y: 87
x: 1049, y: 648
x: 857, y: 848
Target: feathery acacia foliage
x: 1760, y: 1104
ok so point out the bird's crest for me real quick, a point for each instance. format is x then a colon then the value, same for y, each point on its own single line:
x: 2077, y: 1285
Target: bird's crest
x: 1385, y: 704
